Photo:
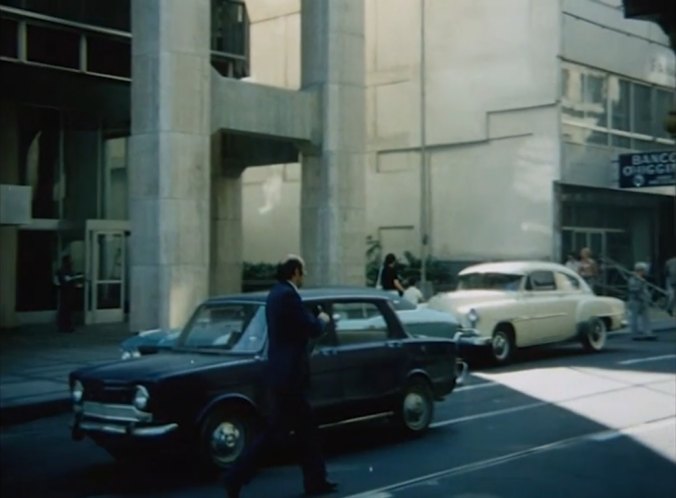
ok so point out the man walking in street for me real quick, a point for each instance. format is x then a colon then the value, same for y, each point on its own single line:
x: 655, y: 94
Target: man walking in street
x: 290, y: 327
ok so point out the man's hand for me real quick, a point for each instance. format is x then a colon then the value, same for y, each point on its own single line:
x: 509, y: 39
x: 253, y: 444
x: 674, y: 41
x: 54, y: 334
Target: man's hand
x: 324, y: 317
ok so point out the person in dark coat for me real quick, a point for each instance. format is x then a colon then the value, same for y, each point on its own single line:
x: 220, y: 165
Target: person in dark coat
x: 66, y: 282
x: 290, y: 327
x: 389, y: 279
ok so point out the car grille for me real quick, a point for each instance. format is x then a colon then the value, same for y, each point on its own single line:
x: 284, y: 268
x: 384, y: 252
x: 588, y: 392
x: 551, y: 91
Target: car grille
x: 109, y: 394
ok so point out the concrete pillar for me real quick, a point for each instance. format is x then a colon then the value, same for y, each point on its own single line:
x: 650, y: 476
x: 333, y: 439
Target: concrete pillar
x: 9, y: 174
x: 333, y: 235
x: 226, y: 223
x: 169, y: 166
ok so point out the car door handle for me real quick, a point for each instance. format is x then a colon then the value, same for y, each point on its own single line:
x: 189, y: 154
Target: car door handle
x: 394, y: 344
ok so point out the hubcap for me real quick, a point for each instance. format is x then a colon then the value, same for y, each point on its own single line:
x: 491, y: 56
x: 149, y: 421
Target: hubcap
x: 415, y: 410
x: 500, y: 346
x: 227, y: 441
x: 597, y: 333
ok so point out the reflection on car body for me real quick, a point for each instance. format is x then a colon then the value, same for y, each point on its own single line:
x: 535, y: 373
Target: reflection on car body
x: 207, y: 392
x: 509, y: 305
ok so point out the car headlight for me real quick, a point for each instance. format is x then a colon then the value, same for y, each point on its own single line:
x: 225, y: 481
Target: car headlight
x: 77, y: 391
x: 472, y: 317
x: 141, y: 398
x: 127, y: 354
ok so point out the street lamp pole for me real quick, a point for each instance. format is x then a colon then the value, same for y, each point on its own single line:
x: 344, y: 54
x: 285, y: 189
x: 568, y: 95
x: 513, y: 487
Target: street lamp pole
x: 424, y: 174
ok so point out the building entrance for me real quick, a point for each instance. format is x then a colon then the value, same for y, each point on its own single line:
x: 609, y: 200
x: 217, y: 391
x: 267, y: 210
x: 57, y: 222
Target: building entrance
x: 106, y: 287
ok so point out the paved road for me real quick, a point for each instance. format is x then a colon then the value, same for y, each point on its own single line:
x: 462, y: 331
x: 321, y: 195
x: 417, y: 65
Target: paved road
x: 558, y: 423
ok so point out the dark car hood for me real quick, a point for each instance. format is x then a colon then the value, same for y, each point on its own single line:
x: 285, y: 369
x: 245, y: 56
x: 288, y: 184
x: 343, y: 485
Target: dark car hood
x: 159, y: 366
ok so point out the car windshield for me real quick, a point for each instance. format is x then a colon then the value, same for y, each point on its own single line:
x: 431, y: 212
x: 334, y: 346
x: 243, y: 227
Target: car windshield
x: 232, y: 327
x: 401, y: 304
x: 489, y: 281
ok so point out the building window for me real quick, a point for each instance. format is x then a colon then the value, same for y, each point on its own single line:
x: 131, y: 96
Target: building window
x: 607, y: 110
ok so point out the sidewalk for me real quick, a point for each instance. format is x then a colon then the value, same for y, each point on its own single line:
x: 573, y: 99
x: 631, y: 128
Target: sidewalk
x: 35, y: 362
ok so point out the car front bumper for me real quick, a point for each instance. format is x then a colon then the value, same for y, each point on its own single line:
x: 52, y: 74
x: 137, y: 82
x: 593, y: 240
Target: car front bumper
x: 471, y: 337
x: 116, y: 419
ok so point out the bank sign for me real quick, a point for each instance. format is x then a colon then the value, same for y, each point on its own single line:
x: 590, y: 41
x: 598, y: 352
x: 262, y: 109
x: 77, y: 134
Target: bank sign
x: 647, y: 169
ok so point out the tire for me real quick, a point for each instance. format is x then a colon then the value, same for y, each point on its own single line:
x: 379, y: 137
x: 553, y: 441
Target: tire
x: 502, y: 346
x: 225, y: 433
x: 594, y: 335
x: 416, y: 407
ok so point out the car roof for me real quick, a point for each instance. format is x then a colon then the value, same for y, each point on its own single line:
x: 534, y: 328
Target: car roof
x: 514, y: 267
x: 311, y: 294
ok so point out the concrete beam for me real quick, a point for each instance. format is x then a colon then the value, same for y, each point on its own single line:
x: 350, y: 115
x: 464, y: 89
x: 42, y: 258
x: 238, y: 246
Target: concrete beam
x: 264, y: 110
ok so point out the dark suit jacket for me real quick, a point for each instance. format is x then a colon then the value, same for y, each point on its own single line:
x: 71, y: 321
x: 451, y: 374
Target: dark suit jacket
x: 290, y: 327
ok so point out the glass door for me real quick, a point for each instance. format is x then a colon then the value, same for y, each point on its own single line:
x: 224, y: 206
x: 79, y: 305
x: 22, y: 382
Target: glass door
x: 105, y: 285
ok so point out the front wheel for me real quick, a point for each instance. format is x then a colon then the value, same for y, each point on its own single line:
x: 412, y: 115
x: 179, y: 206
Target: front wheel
x: 502, y: 346
x: 416, y: 407
x: 226, y: 432
x: 594, y: 335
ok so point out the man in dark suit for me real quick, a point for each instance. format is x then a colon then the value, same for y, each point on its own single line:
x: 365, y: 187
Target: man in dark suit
x: 290, y: 327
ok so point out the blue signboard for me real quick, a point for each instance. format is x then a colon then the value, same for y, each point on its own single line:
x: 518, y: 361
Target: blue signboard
x: 647, y: 169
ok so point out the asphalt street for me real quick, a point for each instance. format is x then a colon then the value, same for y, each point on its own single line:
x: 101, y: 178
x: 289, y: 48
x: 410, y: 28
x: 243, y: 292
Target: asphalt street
x: 557, y: 423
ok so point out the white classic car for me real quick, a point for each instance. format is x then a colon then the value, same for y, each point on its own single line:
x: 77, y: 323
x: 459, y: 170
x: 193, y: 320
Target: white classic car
x: 510, y: 305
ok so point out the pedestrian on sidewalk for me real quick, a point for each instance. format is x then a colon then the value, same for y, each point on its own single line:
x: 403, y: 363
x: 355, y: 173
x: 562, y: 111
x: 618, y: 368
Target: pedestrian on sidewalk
x: 412, y: 293
x: 639, y: 304
x: 66, y: 281
x: 388, y: 278
x: 588, y: 268
x: 670, y: 270
x: 290, y: 327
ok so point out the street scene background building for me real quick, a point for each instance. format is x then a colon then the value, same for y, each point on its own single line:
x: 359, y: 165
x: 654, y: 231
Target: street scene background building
x: 461, y: 131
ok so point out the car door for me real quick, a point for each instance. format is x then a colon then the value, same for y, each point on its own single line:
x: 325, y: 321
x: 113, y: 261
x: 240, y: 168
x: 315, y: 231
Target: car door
x: 570, y: 290
x: 371, y: 354
x: 545, y: 309
x: 326, y: 383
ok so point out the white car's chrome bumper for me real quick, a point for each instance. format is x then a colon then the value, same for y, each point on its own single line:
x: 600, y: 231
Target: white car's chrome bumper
x: 471, y: 337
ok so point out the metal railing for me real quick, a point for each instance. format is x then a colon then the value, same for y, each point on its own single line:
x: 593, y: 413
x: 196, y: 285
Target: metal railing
x: 615, y: 282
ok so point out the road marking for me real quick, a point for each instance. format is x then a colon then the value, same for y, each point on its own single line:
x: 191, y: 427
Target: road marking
x: 599, y: 436
x: 477, y: 386
x: 645, y: 360
x: 494, y: 413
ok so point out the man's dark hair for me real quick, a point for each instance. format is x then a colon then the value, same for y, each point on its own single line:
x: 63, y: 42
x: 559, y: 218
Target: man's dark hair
x: 288, y: 267
x: 389, y: 259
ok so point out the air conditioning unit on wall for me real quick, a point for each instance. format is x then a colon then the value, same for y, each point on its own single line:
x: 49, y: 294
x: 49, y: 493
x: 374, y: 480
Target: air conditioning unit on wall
x: 15, y: 204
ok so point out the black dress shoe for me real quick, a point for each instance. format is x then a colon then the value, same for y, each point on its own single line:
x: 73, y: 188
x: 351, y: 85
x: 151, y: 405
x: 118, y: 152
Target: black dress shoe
x: 321, y: 489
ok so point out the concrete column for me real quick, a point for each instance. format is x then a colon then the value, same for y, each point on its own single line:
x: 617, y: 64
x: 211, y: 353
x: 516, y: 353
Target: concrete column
x: 169, y: 166
x: 226, y: 224
x: 332, y: 197
x: 9, y: 174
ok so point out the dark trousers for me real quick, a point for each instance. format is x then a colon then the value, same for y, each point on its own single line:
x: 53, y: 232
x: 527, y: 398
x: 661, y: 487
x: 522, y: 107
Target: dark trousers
x: 64, y: 313
x: 290, y: 412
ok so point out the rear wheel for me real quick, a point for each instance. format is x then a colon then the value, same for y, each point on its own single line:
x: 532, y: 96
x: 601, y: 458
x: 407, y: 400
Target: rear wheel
x: 594, y: 335
x: 502, y: 345
x: 225, y: 434
x: 416, y: 407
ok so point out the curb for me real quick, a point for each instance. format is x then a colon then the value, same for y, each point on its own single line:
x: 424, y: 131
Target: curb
x: 19, y: 414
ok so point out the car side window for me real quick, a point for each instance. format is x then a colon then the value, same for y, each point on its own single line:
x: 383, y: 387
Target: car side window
x: 566, y: 282
x: 541, y: 281
x: 359, y: 323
